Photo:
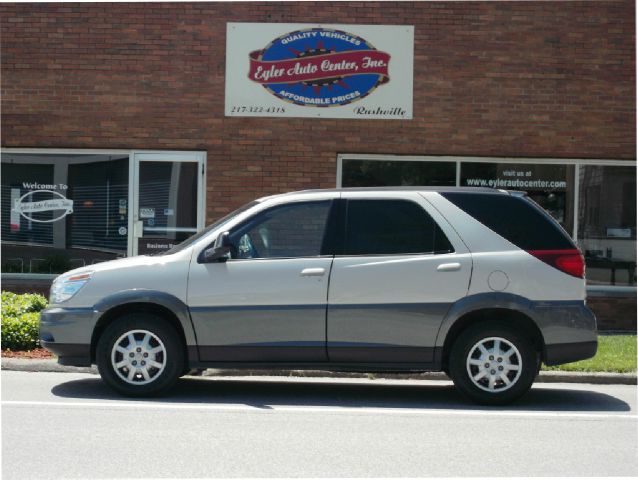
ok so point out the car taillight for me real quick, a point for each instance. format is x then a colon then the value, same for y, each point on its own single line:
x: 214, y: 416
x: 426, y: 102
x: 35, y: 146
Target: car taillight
x: 568, y: 261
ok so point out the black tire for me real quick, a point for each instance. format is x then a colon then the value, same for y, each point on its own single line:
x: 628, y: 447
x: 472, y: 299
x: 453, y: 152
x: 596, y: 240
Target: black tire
x: 164, y: 348
x: 523, y: 358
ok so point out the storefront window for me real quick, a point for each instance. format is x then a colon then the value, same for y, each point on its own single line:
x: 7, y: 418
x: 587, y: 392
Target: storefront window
x: 551, y: 186
x: 62, y: 211
x: 606, y: 216
x: 374, y: 173
x: 607, y: 224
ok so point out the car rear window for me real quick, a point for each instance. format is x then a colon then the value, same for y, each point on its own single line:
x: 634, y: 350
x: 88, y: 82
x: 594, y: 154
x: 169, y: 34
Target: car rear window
x: 517, y: 219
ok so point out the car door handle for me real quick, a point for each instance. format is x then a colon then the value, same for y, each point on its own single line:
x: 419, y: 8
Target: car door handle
x: 313, y: 272
x: 448, y: 267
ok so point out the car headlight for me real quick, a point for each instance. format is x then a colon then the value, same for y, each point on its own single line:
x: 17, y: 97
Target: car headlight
x: 65, y: 287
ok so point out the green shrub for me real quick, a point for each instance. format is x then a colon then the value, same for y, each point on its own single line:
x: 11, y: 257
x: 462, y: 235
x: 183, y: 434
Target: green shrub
x: 21, y: 320
x: 21, y: 333
x: 14, y: 304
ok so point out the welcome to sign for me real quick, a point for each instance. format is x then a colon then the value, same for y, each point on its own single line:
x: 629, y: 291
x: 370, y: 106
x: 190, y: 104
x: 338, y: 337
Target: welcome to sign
x: 327, y: 71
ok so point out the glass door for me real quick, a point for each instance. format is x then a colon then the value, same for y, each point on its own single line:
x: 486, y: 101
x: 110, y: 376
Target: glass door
x: 168, y: 200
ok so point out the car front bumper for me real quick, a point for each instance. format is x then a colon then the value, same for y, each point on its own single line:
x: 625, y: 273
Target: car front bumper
x: 66, y: 332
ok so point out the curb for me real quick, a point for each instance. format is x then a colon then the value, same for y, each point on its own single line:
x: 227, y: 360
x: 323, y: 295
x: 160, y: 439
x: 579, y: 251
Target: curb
x: 600, y: 378
x: 41, y: 365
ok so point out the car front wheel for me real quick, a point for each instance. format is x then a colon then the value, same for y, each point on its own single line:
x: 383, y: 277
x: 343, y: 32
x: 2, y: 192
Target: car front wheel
x: 140, y: 355
x: 493, y: 364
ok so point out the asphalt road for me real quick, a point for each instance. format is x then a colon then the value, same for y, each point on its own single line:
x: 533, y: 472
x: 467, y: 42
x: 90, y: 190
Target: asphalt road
x: 70, y: 425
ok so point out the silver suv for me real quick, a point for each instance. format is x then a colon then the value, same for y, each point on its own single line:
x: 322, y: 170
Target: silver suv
x: 479, y: 283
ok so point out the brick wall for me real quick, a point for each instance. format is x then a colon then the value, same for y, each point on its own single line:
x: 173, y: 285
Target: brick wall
x: 614, y: 313
x: 546, y: 79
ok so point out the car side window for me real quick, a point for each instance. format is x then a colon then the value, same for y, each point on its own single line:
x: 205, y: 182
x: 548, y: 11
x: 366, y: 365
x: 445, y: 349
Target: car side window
x: 293, y: 230
x: 390, y: 227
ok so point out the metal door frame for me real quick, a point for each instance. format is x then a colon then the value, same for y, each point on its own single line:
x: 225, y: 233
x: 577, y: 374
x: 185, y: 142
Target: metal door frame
x: 138, y: 156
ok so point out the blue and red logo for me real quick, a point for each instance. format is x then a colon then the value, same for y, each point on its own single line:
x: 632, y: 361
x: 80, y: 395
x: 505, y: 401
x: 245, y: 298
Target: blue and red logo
x: 319, y: 67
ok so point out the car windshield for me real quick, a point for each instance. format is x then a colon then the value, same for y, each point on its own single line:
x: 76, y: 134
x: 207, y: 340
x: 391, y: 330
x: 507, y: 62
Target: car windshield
x: 190, y: 240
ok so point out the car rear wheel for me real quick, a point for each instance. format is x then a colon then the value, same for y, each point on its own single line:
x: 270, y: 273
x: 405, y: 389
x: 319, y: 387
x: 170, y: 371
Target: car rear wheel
x: 140, y: 354
x: 493, y: 364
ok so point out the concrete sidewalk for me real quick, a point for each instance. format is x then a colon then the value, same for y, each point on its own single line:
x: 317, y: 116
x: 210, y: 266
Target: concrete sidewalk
x: 36, y: 365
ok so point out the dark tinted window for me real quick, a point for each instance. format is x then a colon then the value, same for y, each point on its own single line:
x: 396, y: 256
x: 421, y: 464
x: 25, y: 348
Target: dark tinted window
x: 517, y: 219
x: 376, y: 173
x: 390, y: 227
x: 294, y: 230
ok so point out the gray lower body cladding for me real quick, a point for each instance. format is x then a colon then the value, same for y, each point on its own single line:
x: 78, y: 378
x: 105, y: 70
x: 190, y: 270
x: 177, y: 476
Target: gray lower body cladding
x: 560, y: 353
x: 568, y: 329
x: 377, y: 333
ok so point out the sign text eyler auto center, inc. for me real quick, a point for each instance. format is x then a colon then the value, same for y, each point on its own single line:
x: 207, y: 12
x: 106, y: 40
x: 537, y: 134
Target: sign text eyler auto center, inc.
x: 325, y: 71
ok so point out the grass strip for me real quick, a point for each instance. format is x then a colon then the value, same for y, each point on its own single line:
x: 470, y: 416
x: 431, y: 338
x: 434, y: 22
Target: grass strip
x: 616, y: 353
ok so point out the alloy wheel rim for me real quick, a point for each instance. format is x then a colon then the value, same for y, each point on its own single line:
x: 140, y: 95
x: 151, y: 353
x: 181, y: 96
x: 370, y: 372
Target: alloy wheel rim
x: 138, y: 357
x: 494, y: 364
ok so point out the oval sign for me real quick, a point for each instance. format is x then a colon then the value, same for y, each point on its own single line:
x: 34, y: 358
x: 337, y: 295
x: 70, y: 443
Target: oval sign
x: 28, y: 207
x: 319, y: 67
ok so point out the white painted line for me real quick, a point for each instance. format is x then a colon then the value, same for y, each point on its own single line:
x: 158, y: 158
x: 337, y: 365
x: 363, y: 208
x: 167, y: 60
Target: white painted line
x: 290, y: 409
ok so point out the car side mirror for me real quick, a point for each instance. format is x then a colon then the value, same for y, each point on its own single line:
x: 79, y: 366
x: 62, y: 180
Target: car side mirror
x: 219, y: 251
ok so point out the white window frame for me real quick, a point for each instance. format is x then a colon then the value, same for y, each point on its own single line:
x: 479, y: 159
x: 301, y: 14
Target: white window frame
x: 138, y: 156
